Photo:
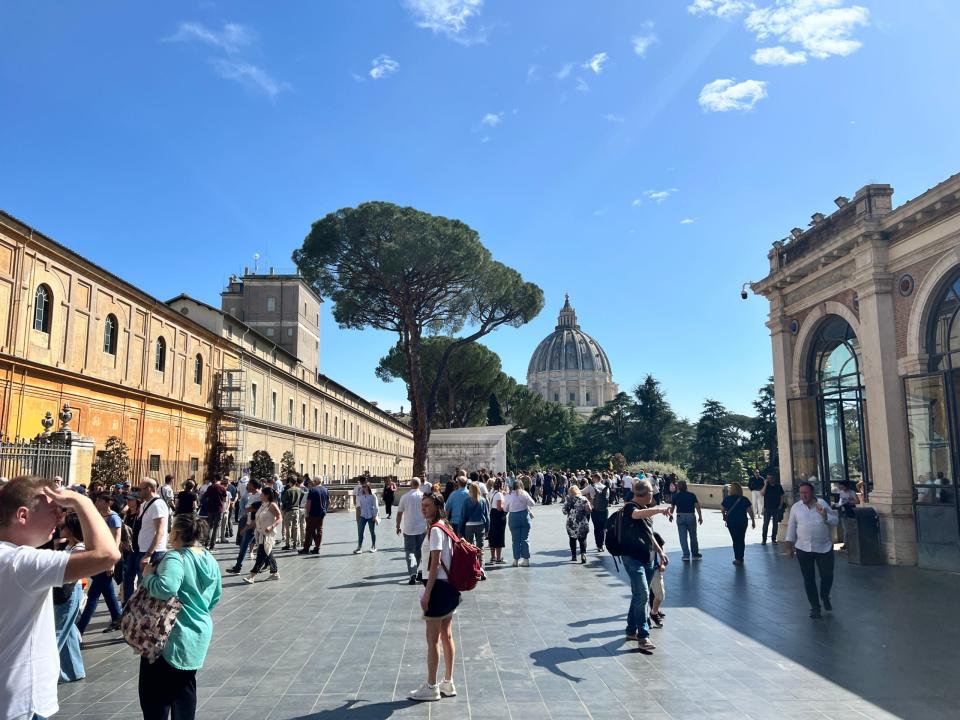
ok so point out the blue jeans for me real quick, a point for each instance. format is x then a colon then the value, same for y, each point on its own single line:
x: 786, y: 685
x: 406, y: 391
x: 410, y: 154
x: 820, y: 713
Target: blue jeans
x: 100, y: 585
x: 519, y: 524
x: 68, y: 637
x: 361, y: 524
x: 687, y: 525
x: 640, y: 575
x: 246, y: 539
x: 411, y: 548
x: 132, y: 569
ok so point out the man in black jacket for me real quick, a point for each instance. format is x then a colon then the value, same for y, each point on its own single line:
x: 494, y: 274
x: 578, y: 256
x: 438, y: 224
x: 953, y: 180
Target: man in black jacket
x: 774, y: 502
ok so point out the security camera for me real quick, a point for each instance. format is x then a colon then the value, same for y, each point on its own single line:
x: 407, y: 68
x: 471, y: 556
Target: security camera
x: 743, y: 290
x: 743, y: 294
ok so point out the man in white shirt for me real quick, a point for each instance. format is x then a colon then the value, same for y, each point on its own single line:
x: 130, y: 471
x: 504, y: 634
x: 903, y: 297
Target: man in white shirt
x: 411, y: 523
x: 30, y: 508
x: 150, y: 526
x: 810, y: 534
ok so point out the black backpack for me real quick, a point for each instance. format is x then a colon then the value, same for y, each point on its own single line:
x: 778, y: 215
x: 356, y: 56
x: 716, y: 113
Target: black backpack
x: 601, y: 499
x: 626, y: 536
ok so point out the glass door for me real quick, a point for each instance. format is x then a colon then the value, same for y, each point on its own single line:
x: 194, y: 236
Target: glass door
x: 931, y: 427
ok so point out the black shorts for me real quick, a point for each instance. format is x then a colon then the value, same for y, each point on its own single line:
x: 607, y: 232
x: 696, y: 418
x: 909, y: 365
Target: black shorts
x: 444, y: 599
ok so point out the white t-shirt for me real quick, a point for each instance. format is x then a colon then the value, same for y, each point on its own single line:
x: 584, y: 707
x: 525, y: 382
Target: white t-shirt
x: 437, y: 539
x: 515, y: 502
x: 412, y: 521
x: 148, y: 528
x: 28, y: 636
x: 497, y: 497
x: 628, y: 482
x: 483, y: 488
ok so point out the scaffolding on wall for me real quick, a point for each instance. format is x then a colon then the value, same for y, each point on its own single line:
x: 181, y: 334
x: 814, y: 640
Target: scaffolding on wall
x: 231, y: 407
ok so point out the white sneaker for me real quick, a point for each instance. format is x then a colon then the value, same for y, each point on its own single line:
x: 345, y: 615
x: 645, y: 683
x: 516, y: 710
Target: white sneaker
x: 515, y: 563
x: 357, y: 551
x: 249, y: 580
x: 524, y: 562
x: 425, y: 693
x: 373, y: 549
x: 274, y: 576
x: 447, y: 688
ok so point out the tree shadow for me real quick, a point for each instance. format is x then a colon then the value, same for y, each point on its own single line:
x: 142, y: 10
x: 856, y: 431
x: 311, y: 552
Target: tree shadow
x: 359, y: 710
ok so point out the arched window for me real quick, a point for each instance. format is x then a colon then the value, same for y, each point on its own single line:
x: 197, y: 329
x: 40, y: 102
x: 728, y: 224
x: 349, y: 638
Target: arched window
x: 943, y: 341
x: 160, y: 359
x: 198, y: 370
x: 110, y: 335
x: 835, y: 377
x: 42, y: 309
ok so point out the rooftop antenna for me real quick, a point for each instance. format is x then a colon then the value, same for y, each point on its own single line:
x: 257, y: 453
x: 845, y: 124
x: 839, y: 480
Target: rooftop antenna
x: 256, y: 263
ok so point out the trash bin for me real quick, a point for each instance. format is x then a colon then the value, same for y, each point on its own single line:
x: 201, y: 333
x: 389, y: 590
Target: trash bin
x: 862, y: 537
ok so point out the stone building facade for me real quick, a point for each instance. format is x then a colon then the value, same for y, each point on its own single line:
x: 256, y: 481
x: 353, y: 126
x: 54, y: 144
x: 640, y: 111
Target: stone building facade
x: 866, y: 352
x: 276, y: 403
x: 154, y: 373
x: 570, y: 368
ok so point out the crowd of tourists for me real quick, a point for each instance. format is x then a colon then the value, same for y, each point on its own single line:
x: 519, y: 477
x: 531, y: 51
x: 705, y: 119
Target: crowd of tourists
x: 146, y: 553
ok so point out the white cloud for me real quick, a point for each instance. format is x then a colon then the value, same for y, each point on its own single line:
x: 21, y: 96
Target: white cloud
x: 727, y: 94
x: 485, y: 139
x: 492, y: 119
x: 643, y: 41
x: 447, y: 17
x: 687, y: 221
x: 599, y: 211
x: 596, y: 63
x: 719, y: 8
x: 251, y: 76
x: 533, y: 73
x: 658, y: 196
x: 778, y: 55
x: 383, y: 66
x: 231, y: 38
x: 565, y: 71
x: 821, y: 27
x: 581, y: 85
x: 614, y: 118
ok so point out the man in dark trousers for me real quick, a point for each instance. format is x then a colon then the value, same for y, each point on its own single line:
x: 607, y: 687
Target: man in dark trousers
x: 216, y: 505
x: 547, y: 488
x: 315, y: 512
x: 774, y: 502
x: 810, y: 536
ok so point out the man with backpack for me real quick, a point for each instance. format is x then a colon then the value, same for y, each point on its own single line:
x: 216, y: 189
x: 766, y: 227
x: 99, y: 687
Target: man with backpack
x: 631, y: 538
x: 599, y: 495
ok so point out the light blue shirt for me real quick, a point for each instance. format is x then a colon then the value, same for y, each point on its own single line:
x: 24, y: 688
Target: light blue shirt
x: 368, y: 506
x: 455, y: 503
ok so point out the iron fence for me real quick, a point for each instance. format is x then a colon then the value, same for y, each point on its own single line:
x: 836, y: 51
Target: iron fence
x: 46, y: 458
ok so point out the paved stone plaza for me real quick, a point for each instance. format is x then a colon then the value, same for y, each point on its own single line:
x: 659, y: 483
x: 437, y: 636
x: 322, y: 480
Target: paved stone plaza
x: 340, y: 636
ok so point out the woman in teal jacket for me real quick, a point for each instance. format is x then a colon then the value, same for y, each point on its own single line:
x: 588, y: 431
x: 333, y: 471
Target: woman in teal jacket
x: 168, y: 687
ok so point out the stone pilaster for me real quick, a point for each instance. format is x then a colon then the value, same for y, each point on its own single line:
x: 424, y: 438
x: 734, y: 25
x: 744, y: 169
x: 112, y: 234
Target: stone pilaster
x: 892, y: 494
x: 782, y: 367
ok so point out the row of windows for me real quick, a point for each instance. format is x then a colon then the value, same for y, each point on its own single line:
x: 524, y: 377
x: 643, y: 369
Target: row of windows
x: 349, y: 431
x: 43, y: 309
x: 572, y: 398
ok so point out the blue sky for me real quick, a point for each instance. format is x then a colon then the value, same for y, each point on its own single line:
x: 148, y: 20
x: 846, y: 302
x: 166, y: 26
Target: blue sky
x: 641, y: 156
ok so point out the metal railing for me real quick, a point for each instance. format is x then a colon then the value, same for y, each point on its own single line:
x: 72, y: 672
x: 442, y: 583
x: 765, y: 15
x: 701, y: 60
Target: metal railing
x: 43, y: 457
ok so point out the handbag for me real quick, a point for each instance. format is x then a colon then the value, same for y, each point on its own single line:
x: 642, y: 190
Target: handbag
x: 147, y: 621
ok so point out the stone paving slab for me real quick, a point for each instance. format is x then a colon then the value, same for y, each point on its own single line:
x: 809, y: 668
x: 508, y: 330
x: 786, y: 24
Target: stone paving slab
x: 340, y: 636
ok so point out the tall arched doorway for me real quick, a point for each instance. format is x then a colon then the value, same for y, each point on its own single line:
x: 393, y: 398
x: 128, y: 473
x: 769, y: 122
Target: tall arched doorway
x: 828, y: 434
x: 933, y: 425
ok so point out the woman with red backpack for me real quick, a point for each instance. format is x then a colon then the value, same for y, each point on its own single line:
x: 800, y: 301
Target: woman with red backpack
x: 439, y: 600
